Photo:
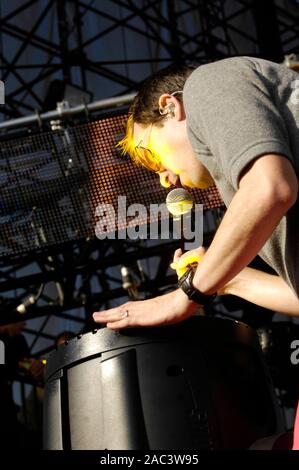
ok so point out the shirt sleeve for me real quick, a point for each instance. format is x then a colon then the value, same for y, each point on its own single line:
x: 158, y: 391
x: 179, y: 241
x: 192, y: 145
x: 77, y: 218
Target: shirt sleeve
x: 233, y: 107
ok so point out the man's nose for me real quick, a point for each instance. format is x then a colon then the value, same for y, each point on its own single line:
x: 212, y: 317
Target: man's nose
x: 167, y: 179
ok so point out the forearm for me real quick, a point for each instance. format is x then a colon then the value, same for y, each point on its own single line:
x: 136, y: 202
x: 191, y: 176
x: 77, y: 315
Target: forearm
x: 240, y: 236
x: 263, y: 289
x: 250, y: 219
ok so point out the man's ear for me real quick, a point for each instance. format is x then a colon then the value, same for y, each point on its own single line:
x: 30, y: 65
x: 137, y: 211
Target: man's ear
x: 170, y: 105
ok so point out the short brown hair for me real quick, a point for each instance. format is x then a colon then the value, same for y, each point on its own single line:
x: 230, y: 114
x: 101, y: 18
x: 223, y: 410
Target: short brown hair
x: 145, y: 109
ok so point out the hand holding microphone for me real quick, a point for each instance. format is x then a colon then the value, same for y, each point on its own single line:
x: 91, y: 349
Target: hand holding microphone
x: 183, y: 261
x: 180, y: 202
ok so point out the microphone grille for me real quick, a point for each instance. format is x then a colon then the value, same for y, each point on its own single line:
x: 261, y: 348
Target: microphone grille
x: 179, y: 201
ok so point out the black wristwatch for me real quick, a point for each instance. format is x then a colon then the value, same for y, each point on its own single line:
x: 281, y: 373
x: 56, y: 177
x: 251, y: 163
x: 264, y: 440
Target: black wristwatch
x: 185, y: 283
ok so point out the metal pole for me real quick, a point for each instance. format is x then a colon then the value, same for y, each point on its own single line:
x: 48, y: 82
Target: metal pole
x: 68, y: 112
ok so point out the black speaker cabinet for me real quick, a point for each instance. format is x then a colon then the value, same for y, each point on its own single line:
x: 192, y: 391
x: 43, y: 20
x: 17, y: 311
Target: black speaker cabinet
x: 200, y: 384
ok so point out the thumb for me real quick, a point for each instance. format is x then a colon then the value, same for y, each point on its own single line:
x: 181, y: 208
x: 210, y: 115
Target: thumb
x: 177, y: 254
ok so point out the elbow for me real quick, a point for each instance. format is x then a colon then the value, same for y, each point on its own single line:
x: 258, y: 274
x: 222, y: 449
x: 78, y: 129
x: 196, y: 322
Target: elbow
x: 286, y: 195
x: 282, y: 194
x: 273, y: 179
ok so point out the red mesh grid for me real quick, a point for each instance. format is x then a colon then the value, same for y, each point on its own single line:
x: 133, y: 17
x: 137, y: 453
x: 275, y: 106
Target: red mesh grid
x: 52, y: 182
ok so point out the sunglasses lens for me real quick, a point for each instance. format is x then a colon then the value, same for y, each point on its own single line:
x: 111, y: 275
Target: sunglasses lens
x: 147, y: 159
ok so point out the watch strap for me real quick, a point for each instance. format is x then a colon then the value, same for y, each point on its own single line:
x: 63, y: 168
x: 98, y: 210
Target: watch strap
x: 186, y: 284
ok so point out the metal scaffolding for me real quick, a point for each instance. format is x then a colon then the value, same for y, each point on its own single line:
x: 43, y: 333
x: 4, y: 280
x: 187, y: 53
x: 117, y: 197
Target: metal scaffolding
x: 44, y: 273
x: 165, y: 31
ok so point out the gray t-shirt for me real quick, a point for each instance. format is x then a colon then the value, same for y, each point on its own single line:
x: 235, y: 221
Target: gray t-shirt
x: 238, y: 109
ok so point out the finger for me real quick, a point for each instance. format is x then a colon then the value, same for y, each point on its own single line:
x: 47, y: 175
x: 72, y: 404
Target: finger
x: 98, y: 317
x: 110, y: 312
x: 189, y: 258
x: 112, y: 315
x: 117, y: 325
x: 177, y: 254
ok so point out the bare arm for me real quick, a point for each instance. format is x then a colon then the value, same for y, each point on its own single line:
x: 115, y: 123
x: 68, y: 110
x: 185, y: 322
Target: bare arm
x: 266, y: 192
x: 265, y: 290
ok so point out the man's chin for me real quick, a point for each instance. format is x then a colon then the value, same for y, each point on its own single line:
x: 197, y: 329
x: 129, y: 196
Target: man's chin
x: 179, y: 184
x: 189, y: 185
x: 203, y: 184
x: 184, y: 185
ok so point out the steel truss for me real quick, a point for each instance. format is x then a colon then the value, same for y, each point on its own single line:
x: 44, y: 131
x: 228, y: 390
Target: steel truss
x: 174, y: 31
x: 168, y: 31
x: 81, y: 276
x: 171, y: 31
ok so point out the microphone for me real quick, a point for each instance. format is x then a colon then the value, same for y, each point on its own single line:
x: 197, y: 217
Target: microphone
x: 179, y: 202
